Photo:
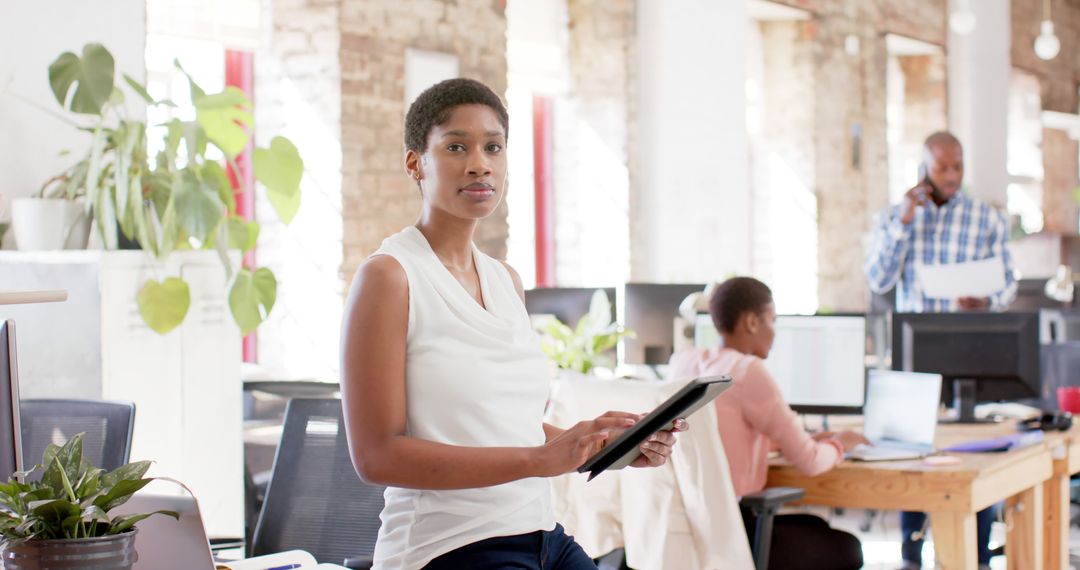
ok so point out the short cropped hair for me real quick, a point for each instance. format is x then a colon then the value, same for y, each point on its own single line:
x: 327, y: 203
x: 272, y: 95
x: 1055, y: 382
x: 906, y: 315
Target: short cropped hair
x: 940, y: 138
x: 735, y: 297
x: 434, y: 105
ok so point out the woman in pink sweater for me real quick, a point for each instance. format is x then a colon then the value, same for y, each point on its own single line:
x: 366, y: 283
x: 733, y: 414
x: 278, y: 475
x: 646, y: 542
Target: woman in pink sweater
x: 754, y: 419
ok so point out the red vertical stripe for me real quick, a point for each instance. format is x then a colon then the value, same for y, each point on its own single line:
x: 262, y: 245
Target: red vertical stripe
x: 240, y: 73
x: 544, y: 191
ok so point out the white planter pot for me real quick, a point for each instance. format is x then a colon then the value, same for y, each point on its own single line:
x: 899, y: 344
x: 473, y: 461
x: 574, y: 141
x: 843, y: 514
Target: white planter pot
x: 49, y: 224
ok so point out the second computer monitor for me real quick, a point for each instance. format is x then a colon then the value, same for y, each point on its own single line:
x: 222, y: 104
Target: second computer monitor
x: 649, y: 309
x: 568, y: 304
x: 819, y: 362
x: 983, y: 356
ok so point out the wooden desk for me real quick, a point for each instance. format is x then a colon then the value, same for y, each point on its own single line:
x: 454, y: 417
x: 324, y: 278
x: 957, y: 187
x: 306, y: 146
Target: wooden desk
x: 952, y: 494
x: 1065, y: 453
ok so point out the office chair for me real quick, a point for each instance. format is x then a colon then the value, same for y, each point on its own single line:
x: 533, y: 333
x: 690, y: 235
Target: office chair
x: 764, y: 505
x: 107, y: 425
x: 315, y: 500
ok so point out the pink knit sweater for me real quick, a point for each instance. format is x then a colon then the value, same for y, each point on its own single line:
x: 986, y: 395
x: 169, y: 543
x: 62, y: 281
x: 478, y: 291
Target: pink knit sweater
x: 754, y: 418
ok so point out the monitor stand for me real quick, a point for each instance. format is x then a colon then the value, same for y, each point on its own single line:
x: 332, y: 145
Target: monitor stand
x: 964, y: 404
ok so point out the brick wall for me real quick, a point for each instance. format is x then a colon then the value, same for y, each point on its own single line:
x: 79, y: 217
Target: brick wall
x: 1058, y: 78
x: 377, y: 198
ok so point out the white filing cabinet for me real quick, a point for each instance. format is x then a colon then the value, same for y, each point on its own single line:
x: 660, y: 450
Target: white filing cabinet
x: 186, y: 384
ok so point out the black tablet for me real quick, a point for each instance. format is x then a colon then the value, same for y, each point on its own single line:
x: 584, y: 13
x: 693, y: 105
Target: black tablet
x: 624, y: 449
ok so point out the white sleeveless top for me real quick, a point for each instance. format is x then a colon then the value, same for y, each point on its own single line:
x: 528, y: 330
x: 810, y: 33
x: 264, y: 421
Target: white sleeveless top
x: 473, y: 377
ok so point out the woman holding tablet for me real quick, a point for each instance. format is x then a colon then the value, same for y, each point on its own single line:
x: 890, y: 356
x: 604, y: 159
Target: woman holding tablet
x: 754, y: 419
x: 444, y: 383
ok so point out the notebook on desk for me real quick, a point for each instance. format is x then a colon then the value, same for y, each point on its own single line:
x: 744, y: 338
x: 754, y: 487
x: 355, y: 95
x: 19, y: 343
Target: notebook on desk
x: 899, y: 416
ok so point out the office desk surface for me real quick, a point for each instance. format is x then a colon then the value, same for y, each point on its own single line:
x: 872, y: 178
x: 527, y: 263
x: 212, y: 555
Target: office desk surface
x: 952, y: 494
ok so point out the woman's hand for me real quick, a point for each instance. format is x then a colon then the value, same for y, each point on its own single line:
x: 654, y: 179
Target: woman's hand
x: 847, y: 439
x: 568, y: 450
x: 656, y: 450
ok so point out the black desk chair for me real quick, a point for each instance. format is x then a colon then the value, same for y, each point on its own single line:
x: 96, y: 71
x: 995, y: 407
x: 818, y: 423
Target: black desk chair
x: 315, y: 500
x: 764, y: 506
x: 107, y: 425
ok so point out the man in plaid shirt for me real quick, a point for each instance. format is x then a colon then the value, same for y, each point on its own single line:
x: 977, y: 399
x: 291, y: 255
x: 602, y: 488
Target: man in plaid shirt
x: 937, y: 223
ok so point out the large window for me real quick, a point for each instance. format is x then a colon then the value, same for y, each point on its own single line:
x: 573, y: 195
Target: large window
x: 1025, y: 159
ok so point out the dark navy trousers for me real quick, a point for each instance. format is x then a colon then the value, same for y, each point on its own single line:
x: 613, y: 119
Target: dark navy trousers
x: 540, y: 550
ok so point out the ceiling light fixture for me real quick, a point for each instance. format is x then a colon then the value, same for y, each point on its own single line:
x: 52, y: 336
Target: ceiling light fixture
x: 962, y: 19
x: 1047, y: 45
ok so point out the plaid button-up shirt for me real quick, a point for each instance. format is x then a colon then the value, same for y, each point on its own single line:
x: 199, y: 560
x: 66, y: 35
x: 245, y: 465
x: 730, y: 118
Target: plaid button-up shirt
x: 963, y: 229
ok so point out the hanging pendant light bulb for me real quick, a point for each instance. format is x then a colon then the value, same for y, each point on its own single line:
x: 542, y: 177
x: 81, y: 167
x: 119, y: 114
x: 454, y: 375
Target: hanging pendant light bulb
x: 1047, y: 45
x: 962, y: 19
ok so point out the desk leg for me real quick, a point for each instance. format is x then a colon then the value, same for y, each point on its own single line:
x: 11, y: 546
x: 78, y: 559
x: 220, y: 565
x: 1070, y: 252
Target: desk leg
x: 954, y: 540
x: 1056, y: 511
x: 1024, y: 542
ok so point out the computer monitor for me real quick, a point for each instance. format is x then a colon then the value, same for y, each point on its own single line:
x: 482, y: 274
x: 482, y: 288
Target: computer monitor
x: 981, y: 356
x: 705, y: 333
x: 819, y: 362
x: 10, y: 434
x: 568, y: 304
x: 649, y: 309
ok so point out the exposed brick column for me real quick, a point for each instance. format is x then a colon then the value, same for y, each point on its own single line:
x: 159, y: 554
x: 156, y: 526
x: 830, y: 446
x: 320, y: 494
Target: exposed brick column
x: 377, y: 198
x: 1059, y: 179
x: 851, y: 151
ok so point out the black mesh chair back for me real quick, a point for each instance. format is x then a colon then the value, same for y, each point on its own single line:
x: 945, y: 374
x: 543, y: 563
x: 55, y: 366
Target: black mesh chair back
x: 107, y: 425
x: 315, y: 500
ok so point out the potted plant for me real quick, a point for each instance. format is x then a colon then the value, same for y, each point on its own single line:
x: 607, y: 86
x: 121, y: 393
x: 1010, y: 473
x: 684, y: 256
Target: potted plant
x: 583, y: 347
x: 179, y: 197
x: 57, y: 520
x: 55, y: 216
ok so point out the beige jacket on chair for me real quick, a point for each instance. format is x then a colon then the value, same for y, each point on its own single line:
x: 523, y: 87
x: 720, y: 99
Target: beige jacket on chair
x: 683, y: 515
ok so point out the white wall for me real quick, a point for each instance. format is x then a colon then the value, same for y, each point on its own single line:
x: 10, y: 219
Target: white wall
x: 979, y: 98
x: 690, y: 197
x: 32, y: 35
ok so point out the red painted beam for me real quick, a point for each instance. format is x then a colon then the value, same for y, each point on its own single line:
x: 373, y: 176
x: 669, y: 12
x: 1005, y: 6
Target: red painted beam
x: 240, y: 73
x: 544, y: 190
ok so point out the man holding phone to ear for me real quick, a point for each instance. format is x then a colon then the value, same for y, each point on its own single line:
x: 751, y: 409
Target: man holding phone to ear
x: 938, y: 223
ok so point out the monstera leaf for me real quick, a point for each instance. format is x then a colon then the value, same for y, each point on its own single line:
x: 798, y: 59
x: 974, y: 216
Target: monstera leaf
x: 92, y: 74
x: 280, y: 169
x: 252, y: 297
x: 226, y: 118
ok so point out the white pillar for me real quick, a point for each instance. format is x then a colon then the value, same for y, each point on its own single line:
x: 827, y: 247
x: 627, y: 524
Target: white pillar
x: 979, y: 69
x: 690, y: 197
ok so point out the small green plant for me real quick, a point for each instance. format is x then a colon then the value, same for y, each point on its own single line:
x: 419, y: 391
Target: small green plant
x: 72, y: 499
x: 582, y: 348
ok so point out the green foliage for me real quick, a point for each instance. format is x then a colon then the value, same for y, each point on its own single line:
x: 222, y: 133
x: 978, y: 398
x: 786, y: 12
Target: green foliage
x: 92, y: 73
x: 582, y: 348
x: 72, y: 499
x: 252, y: 297
x: 163, y: 305
x: 177, y: 198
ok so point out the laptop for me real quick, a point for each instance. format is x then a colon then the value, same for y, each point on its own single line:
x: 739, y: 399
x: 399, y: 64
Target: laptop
x: 163, y: 542
x: 899, y: 416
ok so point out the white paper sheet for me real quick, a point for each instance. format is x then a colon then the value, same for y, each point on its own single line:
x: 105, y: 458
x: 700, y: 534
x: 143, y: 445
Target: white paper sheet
x: 954, y: 280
